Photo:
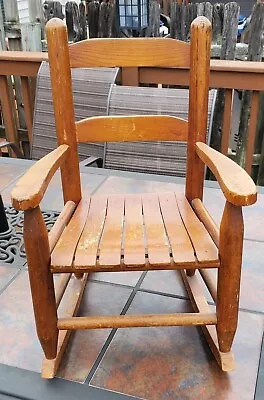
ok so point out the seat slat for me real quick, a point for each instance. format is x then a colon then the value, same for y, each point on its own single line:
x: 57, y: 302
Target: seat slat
x: 205, y: 249
x: 157, y: 245
x: 134, y: 245
x: 110, y: 245
x: 87, y: 248
x: 180, y: 243
x: 63, y: 253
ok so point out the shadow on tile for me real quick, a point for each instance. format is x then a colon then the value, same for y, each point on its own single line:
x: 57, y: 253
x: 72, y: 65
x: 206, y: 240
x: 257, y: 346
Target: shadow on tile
x: 175, y: 362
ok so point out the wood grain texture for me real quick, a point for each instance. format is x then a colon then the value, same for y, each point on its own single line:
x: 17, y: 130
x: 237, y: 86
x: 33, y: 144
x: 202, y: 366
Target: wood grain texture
x: 87, y: 248
x: 157, y: 242
x: 252, y: 130
x: 134, y: 243
x: 199, y: 303
x: 126, y: 321
x: 198, y: 104
x: 237, y: 186
x: 61, y: 287
x: 131, y: 128
x: 31, y: 188
x: 110, y: 245
x: 41, y: 281
x: 229, y: 273
x: 205, y: 249
x: 64, y: 251
x: 50, y: 367
x: 60, y: 75
x: 27, y: 56
x: 134, y: 232
x: 129, y: 53
x: 206, y: 219
x: 181, y: 246
x: 227, y: 120
x: 61, y: 223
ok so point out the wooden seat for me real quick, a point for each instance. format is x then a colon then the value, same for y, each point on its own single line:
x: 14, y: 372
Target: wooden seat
x: 133, y: 232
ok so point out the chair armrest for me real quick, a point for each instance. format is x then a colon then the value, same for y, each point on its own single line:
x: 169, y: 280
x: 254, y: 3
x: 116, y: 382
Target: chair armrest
x: 237, y: 186
x: 31, y: 188
x: 90, y: 160
x: 14, y: 147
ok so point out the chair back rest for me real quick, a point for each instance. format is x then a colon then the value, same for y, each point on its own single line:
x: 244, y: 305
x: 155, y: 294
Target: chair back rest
x: 143, y: 52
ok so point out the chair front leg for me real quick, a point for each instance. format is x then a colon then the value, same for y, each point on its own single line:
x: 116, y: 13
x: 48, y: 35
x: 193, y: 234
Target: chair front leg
x: 41, y: 281
x: 229, y: 273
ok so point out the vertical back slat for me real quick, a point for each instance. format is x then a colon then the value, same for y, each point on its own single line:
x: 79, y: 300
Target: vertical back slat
x: 198, y: 104
x: 252, y: 128
x: 28, y: 105
x: 7, y: 110
x: 60, y: 74
x: 227, y: 120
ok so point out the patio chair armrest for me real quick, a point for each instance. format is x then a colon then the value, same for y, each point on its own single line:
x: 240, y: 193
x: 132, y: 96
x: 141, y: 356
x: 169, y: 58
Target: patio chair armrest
x: 31, y: 188
x: 12, y: 146
x: 237, y: 186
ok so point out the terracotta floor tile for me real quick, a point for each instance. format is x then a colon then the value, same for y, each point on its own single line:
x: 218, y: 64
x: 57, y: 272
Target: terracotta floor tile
x: 84, y: 346
x: 122, y: 278
x: 169, y: 282
x: 175, y: 362
x: 6, y: 274
x: 19, y: 343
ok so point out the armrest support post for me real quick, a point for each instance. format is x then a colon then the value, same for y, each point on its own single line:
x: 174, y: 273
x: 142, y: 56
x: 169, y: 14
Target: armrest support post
x: 229, y: 273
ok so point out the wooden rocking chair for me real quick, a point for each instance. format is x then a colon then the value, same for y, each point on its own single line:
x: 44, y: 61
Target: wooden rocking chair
x: 133, y: 232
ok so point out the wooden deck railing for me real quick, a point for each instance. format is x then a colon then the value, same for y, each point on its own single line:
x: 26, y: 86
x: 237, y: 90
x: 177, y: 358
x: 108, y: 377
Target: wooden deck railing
x: 229, y: 75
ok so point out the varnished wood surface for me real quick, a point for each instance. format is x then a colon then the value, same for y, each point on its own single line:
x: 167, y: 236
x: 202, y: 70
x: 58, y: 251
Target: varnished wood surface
x: 131, y: 128
x: 60, y: 75
x: 31, y: 188
x: 237, y: 186
x: 114, y: 240
x: 198, y: 104
x: 129, y: 53
x: 126, y: 321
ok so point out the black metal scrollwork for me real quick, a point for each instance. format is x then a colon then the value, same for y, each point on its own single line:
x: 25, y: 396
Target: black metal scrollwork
x: 11, y: 242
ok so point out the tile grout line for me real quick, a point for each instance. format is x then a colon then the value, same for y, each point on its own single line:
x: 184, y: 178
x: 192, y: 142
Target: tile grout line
x: 171, y: 295
x: 11, y: 281
x: 113, y: 331
x: 258, y: 396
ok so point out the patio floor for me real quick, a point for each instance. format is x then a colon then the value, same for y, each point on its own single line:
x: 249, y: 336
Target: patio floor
x: 149, y: 363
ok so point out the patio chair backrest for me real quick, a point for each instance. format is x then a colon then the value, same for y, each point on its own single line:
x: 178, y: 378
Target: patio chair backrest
x: 145, y: 52
x: 96, y: 94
